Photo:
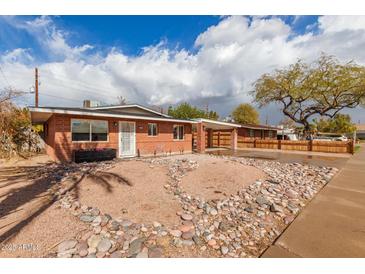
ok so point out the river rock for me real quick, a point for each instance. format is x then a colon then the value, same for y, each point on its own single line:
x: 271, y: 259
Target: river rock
x: 104, y: 245
x: 186, y: 217
x: 93, y: 241
x: 224, y: 250
x: 176, y: 233
x: 135, y: 246
x: 86, y: 218
x: 155, y: 252
x: 66, y: 245
x: 188, y: 235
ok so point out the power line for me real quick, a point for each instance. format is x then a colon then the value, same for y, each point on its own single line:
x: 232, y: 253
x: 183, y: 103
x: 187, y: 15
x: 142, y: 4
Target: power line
x: 77, y: 88
x: 60, y: 97
x: 86, y: 85
x: 3, y: 74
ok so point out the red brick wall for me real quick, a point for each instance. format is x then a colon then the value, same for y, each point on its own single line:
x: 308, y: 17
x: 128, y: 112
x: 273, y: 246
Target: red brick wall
x: 245, y: 132
x: 60, y: 146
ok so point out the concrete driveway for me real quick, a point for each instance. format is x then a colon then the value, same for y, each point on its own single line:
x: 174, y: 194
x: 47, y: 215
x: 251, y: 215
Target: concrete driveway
x: 333, y: 224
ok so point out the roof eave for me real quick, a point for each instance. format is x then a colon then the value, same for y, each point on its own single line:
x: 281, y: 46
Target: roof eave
x: 108, y: 115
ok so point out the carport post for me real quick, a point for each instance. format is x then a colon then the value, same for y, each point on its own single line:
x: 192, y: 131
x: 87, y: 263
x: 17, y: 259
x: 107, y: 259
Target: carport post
x: 210, y: 137
x: 234, y: 139
x: 200, y: 138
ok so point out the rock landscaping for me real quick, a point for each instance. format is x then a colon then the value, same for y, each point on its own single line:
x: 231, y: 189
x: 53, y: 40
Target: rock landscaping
x: 243, y: 224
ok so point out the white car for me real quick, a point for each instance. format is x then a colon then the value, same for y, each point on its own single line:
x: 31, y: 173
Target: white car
x: 341, y: 138
x: 322, y: 138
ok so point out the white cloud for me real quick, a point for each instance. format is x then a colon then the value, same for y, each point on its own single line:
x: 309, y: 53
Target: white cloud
x: 229, y: 58
x: 50, y: 38
x: 18, y: 55
x: 341, y: 23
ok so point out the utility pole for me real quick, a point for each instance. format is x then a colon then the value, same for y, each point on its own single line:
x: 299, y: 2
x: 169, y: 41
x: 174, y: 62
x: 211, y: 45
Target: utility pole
x: 36, y: 87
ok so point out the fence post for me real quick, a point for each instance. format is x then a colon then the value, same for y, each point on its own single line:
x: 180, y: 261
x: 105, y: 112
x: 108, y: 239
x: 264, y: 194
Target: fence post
x: 351, y: 146
x: 311, y: 145
x: 219, y: 138
x: 254, y: 143
x: 279, y: 144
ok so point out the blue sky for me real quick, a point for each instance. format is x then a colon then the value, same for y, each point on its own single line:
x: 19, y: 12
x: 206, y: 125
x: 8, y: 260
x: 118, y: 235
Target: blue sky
x: 163, y: 60
x: 128, y: 33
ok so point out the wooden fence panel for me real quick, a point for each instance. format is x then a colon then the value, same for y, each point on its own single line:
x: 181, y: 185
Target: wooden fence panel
x: 243, y: 142
x: 223, y: 139
x: 295, y: 145
x: 331, y: 146
x: 269, y: 144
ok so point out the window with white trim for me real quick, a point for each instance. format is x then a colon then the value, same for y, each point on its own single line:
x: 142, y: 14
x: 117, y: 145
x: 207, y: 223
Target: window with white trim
x: 152, y: 129
x: 178, y: 132
x: 89, y: 130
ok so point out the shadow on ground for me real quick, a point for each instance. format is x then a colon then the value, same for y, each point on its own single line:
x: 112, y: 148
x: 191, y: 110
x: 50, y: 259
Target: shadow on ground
x: 27, y: 191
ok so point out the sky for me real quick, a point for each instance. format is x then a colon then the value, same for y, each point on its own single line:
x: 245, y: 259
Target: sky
x: 165, y: 60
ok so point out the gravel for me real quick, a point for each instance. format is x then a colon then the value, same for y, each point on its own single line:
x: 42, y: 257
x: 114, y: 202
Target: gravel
x: 241, y: 224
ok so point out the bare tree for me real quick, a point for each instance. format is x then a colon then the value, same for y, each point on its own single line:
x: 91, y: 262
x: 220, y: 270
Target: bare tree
x: 121, y: 100
x: 8, y: 94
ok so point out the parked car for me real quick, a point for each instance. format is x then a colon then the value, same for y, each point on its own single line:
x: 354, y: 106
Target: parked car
x: 342, y: 138
x: 286, y: 134
x: 322, y: 138
x: 332, y: 137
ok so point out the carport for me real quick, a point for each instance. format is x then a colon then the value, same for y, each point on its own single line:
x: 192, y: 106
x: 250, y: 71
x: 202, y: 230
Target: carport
x: 205, y: 129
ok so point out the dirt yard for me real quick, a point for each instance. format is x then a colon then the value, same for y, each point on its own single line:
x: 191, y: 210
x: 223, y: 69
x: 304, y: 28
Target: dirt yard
x: 39, y: 236
x: 138, y: 195
x: 216, y: 178
x: 141, y: 196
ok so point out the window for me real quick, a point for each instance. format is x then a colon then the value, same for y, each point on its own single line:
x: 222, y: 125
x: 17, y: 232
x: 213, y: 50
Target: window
x: 270, y: 133
x: 252, y: 133
x: 89, y: 130
x: 99, y: 131
x: 178, y: 132
x: 152, y: 129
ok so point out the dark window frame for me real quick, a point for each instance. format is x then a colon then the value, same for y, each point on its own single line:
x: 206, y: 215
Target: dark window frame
x: 154, y: 132
x: 180, y: 134
x: 91, y: 137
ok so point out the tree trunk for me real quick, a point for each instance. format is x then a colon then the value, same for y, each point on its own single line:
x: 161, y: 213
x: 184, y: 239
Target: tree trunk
x: 307, y: 129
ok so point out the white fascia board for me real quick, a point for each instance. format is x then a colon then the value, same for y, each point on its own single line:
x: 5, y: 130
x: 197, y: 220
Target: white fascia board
x: 259, y: 128
x: 92, y: 113
x: 217, y: 122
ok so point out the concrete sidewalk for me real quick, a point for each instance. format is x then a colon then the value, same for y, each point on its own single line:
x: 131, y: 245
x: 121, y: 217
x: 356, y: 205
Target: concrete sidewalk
x: 333, y: 223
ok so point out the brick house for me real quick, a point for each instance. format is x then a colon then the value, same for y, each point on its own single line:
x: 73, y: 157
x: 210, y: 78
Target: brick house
x: 257, y: 131
x: 132, y: 130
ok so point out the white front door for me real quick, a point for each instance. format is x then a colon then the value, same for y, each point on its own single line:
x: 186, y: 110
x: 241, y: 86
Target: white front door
x: 127, y: 139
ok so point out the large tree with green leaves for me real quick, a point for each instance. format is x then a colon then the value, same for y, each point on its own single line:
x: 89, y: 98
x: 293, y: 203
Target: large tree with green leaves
x: 245, y: 114
x: 341, y: 123
x: 324, y: 88
x: 187, y: 111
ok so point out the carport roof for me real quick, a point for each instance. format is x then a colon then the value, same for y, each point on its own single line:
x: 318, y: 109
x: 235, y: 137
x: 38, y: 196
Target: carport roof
x: 213, y: 124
